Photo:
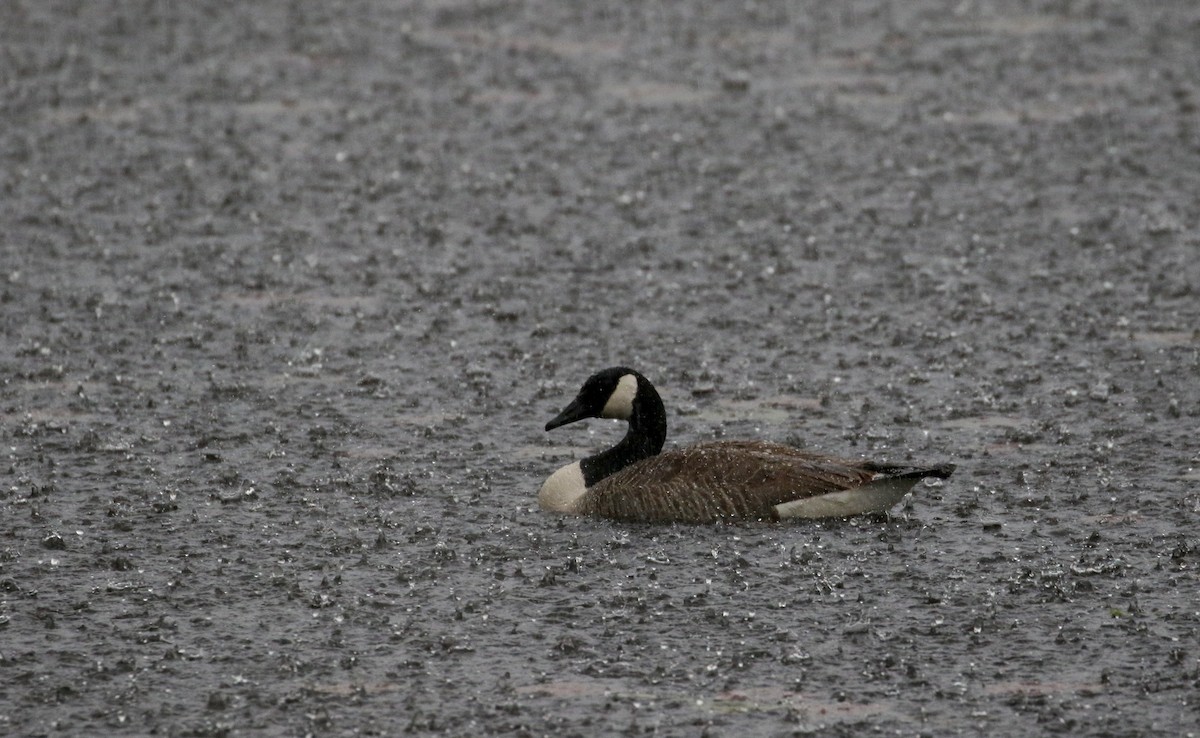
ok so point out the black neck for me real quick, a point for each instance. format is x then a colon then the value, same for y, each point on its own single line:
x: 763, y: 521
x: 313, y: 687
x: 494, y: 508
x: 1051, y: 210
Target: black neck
x: 645, y: 437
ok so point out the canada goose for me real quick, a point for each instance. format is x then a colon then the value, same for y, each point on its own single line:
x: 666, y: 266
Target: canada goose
x: 707, y: 482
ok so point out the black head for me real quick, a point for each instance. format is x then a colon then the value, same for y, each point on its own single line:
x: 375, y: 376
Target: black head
x: 606, y: 394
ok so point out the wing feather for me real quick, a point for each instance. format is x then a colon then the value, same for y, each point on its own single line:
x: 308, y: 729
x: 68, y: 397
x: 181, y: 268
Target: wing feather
x: 722, y: 480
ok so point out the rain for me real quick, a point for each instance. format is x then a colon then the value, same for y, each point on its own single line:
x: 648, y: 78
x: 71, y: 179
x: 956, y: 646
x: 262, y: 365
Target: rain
x: 290, y: 290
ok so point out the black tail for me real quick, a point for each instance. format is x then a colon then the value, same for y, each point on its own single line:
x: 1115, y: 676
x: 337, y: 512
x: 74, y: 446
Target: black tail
x: 941, y: 471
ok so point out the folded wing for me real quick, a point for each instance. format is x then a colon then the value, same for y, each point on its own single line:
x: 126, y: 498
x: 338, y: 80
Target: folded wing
x: 726, y: 480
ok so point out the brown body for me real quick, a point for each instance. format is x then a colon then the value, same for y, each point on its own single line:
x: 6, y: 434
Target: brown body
x: 729, y: 480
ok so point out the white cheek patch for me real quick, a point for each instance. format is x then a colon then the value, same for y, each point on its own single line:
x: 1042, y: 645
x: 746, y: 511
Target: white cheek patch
x: 620, y: 402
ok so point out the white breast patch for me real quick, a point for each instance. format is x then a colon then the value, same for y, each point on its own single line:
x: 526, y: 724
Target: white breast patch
x: 563, y: 490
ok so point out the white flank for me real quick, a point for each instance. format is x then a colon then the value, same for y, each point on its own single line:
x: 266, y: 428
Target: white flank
x: 874, y: 497
x: 563, y: 490
x: 620, y: 402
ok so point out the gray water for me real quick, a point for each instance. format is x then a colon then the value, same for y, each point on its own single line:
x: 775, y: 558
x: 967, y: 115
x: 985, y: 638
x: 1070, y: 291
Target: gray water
x: 289, y: 290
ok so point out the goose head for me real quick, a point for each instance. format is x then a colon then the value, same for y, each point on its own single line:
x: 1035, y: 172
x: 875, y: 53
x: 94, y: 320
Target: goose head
x: 610, y: 393
x: 622, y: 394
